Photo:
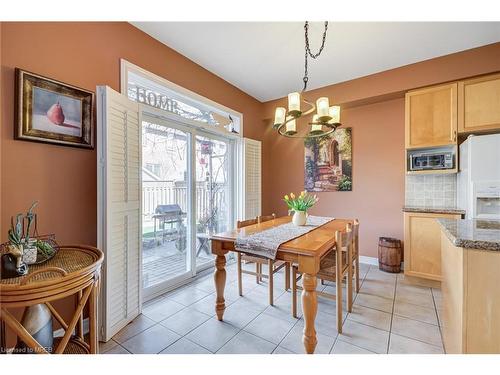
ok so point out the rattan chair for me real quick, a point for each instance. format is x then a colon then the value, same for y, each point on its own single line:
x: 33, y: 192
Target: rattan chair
x: 273, y: 266
x: 333, y: 267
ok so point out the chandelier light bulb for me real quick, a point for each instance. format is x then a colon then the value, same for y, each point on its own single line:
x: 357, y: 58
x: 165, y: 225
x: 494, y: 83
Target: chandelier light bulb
x: 279, y: 115
x: 315, y: 127
x: 291, y: 127
x: 322, y: 105
x: 294, y: 102
x: 334, y: 113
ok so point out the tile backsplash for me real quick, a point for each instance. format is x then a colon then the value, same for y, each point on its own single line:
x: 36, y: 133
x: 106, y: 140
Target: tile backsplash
x: 438, y: 190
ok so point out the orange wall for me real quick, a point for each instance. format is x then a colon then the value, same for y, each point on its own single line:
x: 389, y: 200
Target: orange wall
x: 374, y: 107
x: 63, y: 179
x: 378, y: 173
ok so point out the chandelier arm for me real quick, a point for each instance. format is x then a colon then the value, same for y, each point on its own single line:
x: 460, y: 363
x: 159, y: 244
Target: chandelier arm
x: 282, y: 131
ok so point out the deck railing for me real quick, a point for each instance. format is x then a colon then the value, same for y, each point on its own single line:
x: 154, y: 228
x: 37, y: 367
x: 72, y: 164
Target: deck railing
x: 155, y: 193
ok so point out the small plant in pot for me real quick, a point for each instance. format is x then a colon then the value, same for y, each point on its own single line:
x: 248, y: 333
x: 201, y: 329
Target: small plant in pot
x: 299, y: 205
x: 24, y: 240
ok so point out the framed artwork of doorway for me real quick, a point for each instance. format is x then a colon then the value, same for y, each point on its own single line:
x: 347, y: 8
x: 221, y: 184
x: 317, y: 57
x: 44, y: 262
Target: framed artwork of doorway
x: 328, y: 162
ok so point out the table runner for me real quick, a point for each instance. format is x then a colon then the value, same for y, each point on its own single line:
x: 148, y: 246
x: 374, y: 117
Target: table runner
x: 267, y: 242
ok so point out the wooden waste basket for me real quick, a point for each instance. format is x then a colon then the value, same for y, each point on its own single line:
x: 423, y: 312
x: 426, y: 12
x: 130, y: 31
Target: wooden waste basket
x: 389, y: 254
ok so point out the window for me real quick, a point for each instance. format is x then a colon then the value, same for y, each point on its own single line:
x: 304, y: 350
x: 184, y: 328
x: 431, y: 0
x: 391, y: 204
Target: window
x: 147, y: 88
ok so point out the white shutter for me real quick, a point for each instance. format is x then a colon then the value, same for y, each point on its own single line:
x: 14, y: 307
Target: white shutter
x: 252, y: 182
x: 118, y: 158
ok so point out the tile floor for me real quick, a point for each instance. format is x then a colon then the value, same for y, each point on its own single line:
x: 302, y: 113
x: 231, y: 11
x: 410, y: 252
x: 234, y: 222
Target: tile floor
x: 389, y: 315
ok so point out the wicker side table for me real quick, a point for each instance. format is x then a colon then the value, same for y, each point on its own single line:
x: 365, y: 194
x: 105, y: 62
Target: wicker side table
x: 75, y: 269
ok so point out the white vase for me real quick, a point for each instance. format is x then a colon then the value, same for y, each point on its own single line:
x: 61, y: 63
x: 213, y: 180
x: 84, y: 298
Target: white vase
x: 299, y: 218
x: 30, y: 252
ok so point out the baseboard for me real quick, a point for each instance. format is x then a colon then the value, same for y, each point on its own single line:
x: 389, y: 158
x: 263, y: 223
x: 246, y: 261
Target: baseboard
x: 374, y: 261
x: 60, y: 331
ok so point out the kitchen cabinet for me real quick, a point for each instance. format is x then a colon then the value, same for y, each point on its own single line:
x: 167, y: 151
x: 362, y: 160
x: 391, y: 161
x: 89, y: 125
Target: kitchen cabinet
x: 431, y: 116
x: 479, y: 104
x: 422, y: 246
x: 470, y: 313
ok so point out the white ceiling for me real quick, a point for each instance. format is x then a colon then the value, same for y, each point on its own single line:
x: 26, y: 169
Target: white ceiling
x: 266, y: 59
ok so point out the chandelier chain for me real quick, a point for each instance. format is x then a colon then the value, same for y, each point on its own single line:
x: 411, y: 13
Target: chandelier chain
x: 308, y: 50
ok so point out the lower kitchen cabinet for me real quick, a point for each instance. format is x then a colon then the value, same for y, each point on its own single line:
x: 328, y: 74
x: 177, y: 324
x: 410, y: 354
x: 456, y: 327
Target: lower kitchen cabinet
x: 422, y: 246
x: 470, y: 316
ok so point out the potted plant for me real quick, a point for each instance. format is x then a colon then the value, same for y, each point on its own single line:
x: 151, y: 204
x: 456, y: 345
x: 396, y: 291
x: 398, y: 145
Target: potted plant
x: 24, y: 240
x: 299, y: 205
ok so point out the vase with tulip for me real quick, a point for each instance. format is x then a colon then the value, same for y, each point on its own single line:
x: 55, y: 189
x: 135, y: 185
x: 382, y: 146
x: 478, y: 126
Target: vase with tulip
x: 299, y: 205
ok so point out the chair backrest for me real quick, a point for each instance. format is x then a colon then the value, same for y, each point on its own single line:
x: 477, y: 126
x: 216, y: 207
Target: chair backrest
x: 344, y: 239
x: 246, y: 223
x: 355, y: 237
x: 263, y: 218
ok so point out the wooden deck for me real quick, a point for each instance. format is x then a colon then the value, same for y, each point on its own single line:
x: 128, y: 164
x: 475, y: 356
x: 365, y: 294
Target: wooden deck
x: 164, y: 262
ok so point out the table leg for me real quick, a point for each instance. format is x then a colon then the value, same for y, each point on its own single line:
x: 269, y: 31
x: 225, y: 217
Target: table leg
x: 79, y: 326
x: 93, y: 340
x: 309, y: 308
x: 220, y: 283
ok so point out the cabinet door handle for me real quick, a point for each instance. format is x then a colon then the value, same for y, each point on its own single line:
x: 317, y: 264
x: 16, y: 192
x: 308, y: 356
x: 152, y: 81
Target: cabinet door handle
x: 454, y: 135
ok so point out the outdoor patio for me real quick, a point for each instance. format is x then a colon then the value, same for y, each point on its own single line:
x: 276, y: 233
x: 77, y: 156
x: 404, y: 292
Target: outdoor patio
x: 165, y: 261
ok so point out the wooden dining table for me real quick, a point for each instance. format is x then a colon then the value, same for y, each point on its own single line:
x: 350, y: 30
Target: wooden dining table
x: 305, y: 251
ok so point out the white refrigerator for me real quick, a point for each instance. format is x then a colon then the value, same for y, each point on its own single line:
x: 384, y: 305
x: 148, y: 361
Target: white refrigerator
x: 478, y: 180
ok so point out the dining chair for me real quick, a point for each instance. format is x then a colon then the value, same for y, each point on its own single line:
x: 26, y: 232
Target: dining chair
x: 355, y: 252
x: 354, y: 263
x: 273, y: 266
x: 334, y: 266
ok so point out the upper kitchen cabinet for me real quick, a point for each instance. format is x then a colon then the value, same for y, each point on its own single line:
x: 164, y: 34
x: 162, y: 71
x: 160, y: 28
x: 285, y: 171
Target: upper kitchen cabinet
x: 431, y: 116
x: 479, y: 104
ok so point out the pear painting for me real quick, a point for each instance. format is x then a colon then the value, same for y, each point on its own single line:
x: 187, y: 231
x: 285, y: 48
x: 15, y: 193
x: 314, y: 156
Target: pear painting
x: 56, y: 114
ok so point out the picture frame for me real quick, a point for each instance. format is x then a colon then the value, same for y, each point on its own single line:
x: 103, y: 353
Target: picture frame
x: 52, y: 111
x: 328, y: 162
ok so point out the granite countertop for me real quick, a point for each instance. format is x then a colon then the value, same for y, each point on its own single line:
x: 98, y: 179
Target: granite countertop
x: 473, y: 233
x: 434, y: 210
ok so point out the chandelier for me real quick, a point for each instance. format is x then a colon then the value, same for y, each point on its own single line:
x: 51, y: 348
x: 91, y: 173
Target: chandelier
x: 324, y: 121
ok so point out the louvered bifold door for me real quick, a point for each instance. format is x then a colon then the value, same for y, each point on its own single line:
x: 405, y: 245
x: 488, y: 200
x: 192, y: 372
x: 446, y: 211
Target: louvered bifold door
x: 252, y: 178
x: 119, y: 148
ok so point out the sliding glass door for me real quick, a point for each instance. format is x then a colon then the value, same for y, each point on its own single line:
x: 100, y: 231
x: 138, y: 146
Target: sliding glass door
x: 187, y: 195
x: 166, y: 205
x: 214, y: 176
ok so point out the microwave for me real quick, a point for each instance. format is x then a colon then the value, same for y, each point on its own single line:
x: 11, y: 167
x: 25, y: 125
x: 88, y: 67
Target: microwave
x: 419, y: 161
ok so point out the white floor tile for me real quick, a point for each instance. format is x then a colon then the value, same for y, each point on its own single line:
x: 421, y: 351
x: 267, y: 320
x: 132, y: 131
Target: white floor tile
x: 246, y: 343
x: 185, y: 321
x: 151, y: 341
x: 342, y: 347
x: 405, y: 345
x: 212, y: 334
x: 413, y: 329
x: 269, y: 328
x: 370, y: 317
x: 364, y: 336
x: 184, y: 346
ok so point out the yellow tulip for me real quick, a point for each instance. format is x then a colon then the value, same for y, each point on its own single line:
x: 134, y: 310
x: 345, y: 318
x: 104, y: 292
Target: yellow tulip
x: 292, y: 195
x: 302, y: 193
x: 286, y: 197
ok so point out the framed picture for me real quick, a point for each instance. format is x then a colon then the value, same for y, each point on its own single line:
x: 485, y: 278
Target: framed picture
x: 53, y: 112
x: 328, y: 162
